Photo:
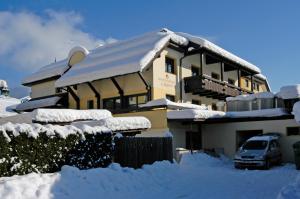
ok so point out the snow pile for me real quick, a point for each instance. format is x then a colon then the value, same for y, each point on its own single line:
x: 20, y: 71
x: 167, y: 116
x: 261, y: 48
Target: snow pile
x: 172, y: 105
x: 33, y: 130
x: 261, y: 95
x: 257, y: 113
x: 7, y: 104
x: 289, y: 92
x: 3, y: 84
x: 291, y: 191
x: 197, y: 176
x: 68, y: 115
x: 194, y: 114
x: 118, y: 123
x: 296, y: 111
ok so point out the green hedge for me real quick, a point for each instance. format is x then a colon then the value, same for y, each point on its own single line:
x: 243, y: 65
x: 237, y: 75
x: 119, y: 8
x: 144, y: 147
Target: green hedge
x: 44, y: 154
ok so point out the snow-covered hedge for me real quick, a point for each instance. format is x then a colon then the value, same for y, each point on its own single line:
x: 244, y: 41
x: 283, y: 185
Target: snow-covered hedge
x: 45, y: 149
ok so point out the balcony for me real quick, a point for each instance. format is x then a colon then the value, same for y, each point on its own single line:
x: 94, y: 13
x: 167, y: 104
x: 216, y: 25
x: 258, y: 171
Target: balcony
x: 209, y: 87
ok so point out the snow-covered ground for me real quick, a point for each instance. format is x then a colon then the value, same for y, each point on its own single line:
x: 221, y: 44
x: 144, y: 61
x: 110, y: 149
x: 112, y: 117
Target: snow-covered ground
x: 197, y: 176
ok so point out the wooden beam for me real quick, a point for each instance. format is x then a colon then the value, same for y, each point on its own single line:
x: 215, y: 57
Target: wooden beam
x: 75, y: 97
x: 222, y: 71
x: 97, y: 94
x: 239, y: 77
x: 252, y: 87
x: 148, y: 87
x: 120, y: 90
x: 201, y: 64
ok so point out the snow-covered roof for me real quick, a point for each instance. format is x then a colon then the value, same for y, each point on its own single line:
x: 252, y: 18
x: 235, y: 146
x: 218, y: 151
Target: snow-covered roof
x: 207, y: 114
x: 7, y: 104
x: 194, y: 114
x: 51, y: 70
x: 220, y: 51
x: 40, y: 103
x: 118, y: 123
x: 68, y: 115
x: 134, y: 55
x: 171, y: 105
x: 260, y: 95
x: 289, y: 92
x: 3, y: 84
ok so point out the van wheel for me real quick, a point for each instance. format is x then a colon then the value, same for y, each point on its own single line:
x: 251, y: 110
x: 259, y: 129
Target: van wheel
x: 267, y: 164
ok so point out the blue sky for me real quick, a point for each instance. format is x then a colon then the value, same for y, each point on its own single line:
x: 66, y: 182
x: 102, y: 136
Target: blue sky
x: 266, y: 33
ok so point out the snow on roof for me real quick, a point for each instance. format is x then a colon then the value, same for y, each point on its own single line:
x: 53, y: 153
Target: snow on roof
x: 194, y: 114
x: 41, y: 103
x: 220, y: 51
x: 118, y: 123
x: 289, y: 92
x: 7, y: 104
x: 68, y: 115
x: 260, y: 95
x: 3, y: 84
x: 51, y: 70
x: 171, y: 105
x: 260, y: 76
x: 207, y: 114
x: 296, y: 111
x: 133, y: 55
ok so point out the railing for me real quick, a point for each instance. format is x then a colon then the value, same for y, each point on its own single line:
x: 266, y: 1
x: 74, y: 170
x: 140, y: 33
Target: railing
x: 208, y: 86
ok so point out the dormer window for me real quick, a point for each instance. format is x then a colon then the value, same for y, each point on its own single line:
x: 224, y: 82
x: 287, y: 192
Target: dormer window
x: 170, y: 65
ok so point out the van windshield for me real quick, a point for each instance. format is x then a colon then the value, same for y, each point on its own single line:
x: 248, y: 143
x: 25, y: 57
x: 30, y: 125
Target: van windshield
x: 255, y: 145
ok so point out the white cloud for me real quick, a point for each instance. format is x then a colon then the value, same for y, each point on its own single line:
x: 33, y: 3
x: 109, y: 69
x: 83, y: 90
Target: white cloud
x: 29, y: 41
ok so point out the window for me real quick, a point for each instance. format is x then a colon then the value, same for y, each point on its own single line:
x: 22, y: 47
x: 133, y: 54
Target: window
x: 170, y: 65
x: 292, y: 131
x: 90, y: 104
x: 197, y: 102
x: 109, y: 104
x: 195, y: 71
x: 231, y: 81
x: 142, y: 99
x: 193, y: 140
x: 247, y: 83
x: 131, y: 101
x: 215, y: 76
x: 170, y: 97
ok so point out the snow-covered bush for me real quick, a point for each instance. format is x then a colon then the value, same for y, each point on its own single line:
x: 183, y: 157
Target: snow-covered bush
x: 45, y: 149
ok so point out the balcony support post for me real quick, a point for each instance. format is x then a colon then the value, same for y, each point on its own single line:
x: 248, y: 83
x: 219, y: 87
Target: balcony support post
x: 222, y: 71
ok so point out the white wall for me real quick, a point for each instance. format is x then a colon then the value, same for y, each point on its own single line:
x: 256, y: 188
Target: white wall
x: 223, y: 135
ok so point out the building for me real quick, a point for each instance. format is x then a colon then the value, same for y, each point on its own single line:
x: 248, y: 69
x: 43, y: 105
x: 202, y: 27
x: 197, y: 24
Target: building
x: 155, y: 75
x: 162, y: 64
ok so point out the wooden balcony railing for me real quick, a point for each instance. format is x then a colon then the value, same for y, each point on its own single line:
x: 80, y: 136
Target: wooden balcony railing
x: 207, y: 86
